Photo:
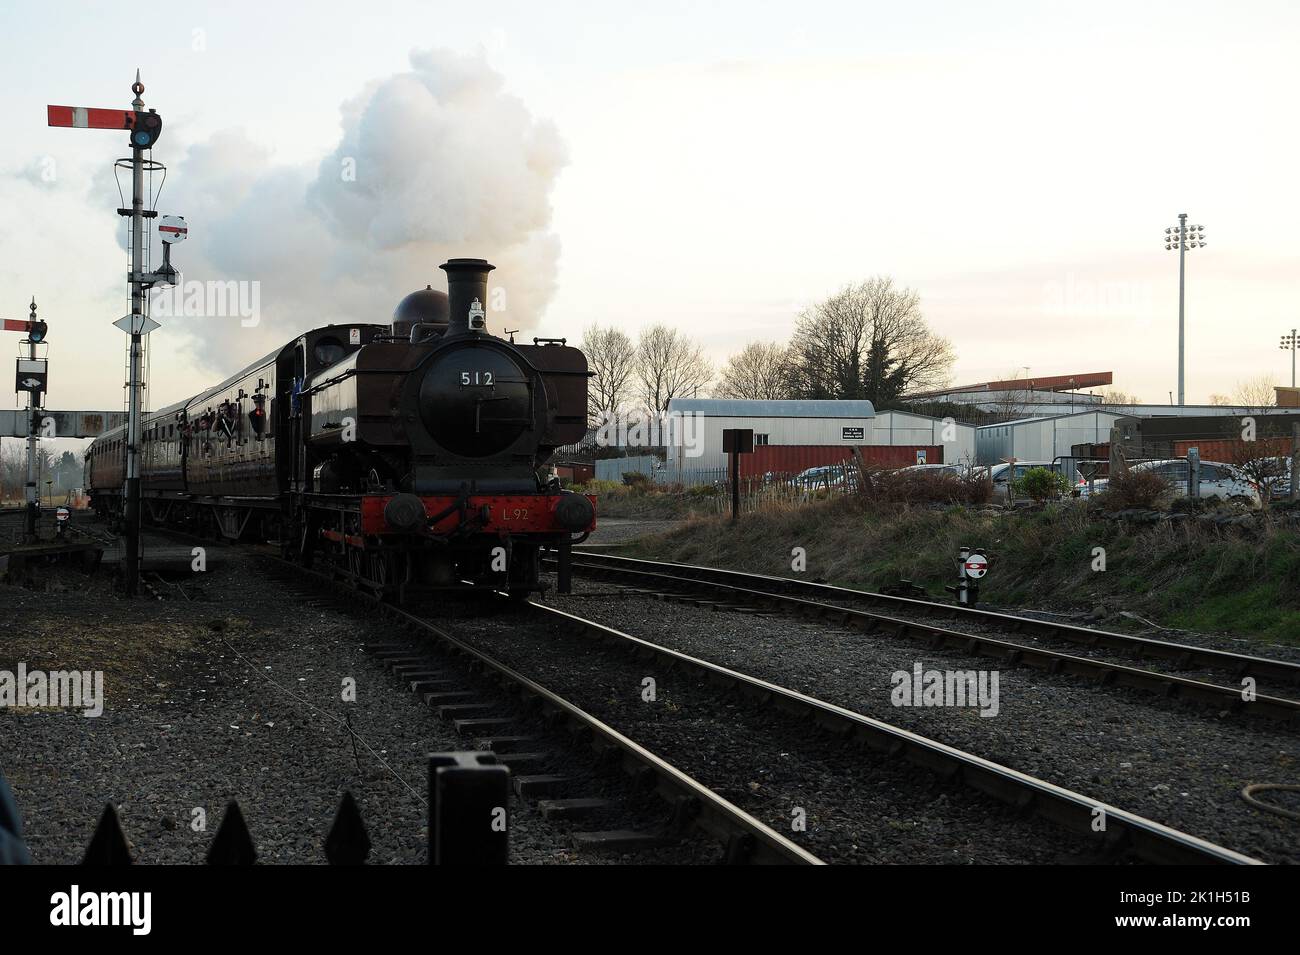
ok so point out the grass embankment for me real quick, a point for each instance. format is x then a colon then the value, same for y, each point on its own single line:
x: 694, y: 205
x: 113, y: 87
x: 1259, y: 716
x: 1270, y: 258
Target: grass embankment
x: 1189, y: 576
x: 643, y: 500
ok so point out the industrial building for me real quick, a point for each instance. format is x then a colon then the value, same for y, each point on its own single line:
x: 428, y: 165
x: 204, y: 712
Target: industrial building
x: 1042, y: 439
x: 794, y: 435
x: 1048, y: 437
x: 1023, y: 397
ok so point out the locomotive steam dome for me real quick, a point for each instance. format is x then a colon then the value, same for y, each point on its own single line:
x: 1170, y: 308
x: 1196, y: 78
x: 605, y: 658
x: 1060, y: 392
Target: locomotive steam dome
x: 427, y: 306
x: 475, y: 399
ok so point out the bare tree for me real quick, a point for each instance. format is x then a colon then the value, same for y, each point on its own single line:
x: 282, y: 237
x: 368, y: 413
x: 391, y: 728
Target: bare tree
x: 669, y: 365
x: 1220, y: 400
x: 758, y: 371
x: 1113, y: 396
x: 1257, y: 392
x: 867, y: 341
x: 1011, y: 403
x: 612, y: 356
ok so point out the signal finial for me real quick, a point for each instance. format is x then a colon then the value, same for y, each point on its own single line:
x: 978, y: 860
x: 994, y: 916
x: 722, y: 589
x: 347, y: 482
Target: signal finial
x: 138, y: 89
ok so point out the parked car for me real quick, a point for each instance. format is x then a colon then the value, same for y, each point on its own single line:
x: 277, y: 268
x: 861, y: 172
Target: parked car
x: 827, y: 475
x: 1004, y: 475
x: 1276, y: 476
x: 1224, y: 482
x: 956, y: 469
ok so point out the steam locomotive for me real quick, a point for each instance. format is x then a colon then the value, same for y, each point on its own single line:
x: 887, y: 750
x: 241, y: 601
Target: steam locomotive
x: 408, y: 456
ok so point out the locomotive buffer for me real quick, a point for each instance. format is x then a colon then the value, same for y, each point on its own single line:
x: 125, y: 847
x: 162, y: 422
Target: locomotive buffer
x: 145, y: 129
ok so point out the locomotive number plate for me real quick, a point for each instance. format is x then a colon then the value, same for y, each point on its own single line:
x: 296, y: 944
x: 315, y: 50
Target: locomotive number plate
x: 476, y: 378
x: 514, y: 513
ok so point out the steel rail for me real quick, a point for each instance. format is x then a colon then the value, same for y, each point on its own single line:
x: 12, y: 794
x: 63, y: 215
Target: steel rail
x: 782, y: 590
x: 747, y: 839
x: 1123, y: 830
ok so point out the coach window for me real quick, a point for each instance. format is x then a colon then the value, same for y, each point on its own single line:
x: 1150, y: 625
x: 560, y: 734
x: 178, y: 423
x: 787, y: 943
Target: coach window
x: 760, y: 439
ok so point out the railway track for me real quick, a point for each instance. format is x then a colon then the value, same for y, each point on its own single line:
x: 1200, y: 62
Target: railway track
x: 739, y: 590
x: 1126, y: 833
x: 692, y: 804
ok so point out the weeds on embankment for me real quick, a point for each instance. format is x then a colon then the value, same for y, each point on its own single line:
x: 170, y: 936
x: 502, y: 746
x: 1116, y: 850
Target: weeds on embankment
x: 1186, y: 575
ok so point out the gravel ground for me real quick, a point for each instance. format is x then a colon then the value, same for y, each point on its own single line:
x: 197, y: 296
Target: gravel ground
x: 943, y: 618
x: 859, y: 806
x: 192, y: 721
x: 1177, y: 763
x: 1213, y: 641
x: 977, y: 627
x: 619, y: 530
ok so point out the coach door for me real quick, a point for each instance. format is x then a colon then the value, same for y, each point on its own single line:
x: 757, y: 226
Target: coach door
x: 297, y: 417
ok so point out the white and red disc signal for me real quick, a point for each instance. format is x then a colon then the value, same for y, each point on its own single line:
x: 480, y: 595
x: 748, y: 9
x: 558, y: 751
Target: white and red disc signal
x: 173, y: 229
x: 977, y: 565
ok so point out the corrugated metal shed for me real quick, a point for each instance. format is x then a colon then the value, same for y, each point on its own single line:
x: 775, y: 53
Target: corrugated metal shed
x: 812, y: 424
x: 1041, y: 439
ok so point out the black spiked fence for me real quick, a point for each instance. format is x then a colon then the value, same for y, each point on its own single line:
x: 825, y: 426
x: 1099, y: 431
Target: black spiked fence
x: 468, y: 805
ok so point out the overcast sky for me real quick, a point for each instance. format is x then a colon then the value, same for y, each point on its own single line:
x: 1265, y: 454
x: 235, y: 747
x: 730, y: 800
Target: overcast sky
x: 716, y: 166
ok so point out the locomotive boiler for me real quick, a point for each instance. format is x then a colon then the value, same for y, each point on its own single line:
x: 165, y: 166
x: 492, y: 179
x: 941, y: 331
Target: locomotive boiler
x: 409, y: 456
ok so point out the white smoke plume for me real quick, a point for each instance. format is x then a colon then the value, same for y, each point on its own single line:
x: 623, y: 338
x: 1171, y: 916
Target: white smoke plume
x: 434, y: 163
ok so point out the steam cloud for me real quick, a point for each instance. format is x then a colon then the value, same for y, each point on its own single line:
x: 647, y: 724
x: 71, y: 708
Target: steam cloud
x: 433, y: 163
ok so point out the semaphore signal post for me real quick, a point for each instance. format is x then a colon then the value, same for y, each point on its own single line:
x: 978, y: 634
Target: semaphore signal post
x: 32, y: 377
x: 145, y: 128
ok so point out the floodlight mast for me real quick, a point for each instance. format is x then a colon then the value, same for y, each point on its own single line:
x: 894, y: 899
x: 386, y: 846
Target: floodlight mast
x: 1183, y: 237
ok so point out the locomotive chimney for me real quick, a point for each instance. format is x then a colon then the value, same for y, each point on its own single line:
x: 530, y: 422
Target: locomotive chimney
x: 467, y: 294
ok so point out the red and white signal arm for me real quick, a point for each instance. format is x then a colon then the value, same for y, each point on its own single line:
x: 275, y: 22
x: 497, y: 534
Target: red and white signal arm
x: 173, y: 229
x: 62, y: 514
x: 977, y: 565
